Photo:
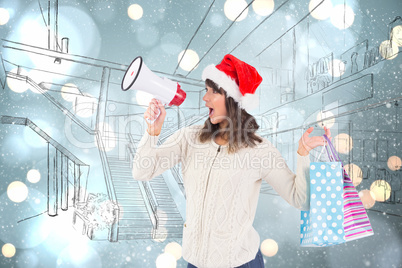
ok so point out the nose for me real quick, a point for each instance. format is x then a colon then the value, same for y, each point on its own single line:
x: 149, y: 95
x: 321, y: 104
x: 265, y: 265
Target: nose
x: 205, y: 98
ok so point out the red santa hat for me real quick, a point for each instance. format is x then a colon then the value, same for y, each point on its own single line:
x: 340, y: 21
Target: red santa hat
x: 239, y: 79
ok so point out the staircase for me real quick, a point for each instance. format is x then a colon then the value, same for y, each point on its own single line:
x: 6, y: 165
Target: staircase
x: 147, y: 210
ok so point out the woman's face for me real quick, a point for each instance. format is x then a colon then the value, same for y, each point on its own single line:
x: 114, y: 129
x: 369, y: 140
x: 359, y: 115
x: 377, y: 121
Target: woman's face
x: 216, y: 104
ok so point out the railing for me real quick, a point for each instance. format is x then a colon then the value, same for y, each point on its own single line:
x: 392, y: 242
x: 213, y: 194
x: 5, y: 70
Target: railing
x: 110, y: 188
x: 151, y: 204
x: 63, y: 167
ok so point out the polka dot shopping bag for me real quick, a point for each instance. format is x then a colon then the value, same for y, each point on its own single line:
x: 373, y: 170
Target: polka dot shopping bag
x: 336, y: 212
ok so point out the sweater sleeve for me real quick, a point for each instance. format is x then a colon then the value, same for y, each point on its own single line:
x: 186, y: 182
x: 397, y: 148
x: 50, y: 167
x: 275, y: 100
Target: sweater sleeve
x: 151, y: 161
x: 294, y: 188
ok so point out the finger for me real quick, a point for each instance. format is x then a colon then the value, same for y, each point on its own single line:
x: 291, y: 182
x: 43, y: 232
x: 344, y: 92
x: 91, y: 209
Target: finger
x: 308, y: 131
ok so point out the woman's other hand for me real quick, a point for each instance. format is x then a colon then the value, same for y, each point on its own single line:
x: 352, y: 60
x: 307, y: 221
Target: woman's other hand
x: 151, y: 113
x: 307, y: 143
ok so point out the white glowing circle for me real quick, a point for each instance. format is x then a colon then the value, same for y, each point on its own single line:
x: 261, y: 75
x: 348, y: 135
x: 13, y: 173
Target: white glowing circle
x: 355, y: 173
x: 85, y: 106
x: 174, y: 249
x: 323, y: 11
x: 336, y: 68
x: 17, y: 85
x: 396, y: 34
x: 327, y: 123
x: 33, y: 175
x: 135, y: 12
x: 189, y: 61
x: 343, y: 143
x: 8, y: 250
x: 70, y: 92
x: 17, y: 191
x: 233, y: 8
x: 42, y: 80
x: 388, y: 50
x: 263, y: 7
x: 394, y: 163
x: 342, y: 16
x: 269, y: 247
x: 368, y: 198
x: 381, y: 190
x: 4, y: 16
x: 166, y: 260
x: 108, y: 135
x: 312, y: 167
x: 143, y: 98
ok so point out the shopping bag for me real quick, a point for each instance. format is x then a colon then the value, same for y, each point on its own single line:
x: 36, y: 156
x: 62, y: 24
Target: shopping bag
x: 336, y: 212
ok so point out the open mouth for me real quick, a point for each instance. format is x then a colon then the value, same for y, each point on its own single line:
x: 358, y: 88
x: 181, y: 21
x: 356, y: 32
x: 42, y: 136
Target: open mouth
x: 211, y: 111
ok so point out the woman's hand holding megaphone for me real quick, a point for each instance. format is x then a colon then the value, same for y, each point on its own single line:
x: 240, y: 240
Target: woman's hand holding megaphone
x: 152, y: 113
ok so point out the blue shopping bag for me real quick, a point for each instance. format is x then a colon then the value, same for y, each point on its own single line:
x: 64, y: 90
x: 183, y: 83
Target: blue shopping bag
x: 322, y: 225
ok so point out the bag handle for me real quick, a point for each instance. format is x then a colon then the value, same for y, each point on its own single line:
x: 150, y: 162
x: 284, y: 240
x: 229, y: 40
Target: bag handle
x: 332, y: 150
x: 322, y: 150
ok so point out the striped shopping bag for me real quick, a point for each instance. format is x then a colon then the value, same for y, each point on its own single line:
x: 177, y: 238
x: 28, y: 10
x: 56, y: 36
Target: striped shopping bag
x: 320, y: 226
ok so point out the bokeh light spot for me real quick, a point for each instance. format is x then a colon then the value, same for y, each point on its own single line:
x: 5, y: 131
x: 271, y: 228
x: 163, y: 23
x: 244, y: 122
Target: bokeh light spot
x: 174, y: 249
x: 388, y: 50
x: 8, y: 250
x: 263, y: 7
x: 343, y: 143
x: 323, y: 11
x: 166, y: 260
x: 17, y: 191
x: 368, y: 198
x: 381, y: 190
x: 233, y: 8
x: 135, y: 12
x: 4, y: 16
x: 33, y: 175
x: 189, y: 61
x: 269, y: 247
x: 342, y: 16
x: 394, y: 163
x: 355, y: 173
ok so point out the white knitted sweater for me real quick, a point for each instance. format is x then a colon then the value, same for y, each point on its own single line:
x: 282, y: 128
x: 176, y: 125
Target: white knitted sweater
x: 222, y: 192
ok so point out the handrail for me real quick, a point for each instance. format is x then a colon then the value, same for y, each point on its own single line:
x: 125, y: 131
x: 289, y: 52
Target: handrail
x: 4, y: 119
x: 113, y: 232
x: 151, y: 202
x: 53, y: 100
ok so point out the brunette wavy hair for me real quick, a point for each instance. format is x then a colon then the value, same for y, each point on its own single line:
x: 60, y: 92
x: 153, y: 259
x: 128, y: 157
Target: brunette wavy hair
x: 240, y: 130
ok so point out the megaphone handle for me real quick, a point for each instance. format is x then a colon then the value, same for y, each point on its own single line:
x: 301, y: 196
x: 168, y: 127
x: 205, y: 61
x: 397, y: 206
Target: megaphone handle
x: 152, y: 121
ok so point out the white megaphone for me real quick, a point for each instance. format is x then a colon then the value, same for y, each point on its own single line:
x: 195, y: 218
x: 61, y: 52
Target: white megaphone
x: 139, y: 77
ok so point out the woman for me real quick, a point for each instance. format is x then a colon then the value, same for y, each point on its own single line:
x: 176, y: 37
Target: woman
x: 223, y: 164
